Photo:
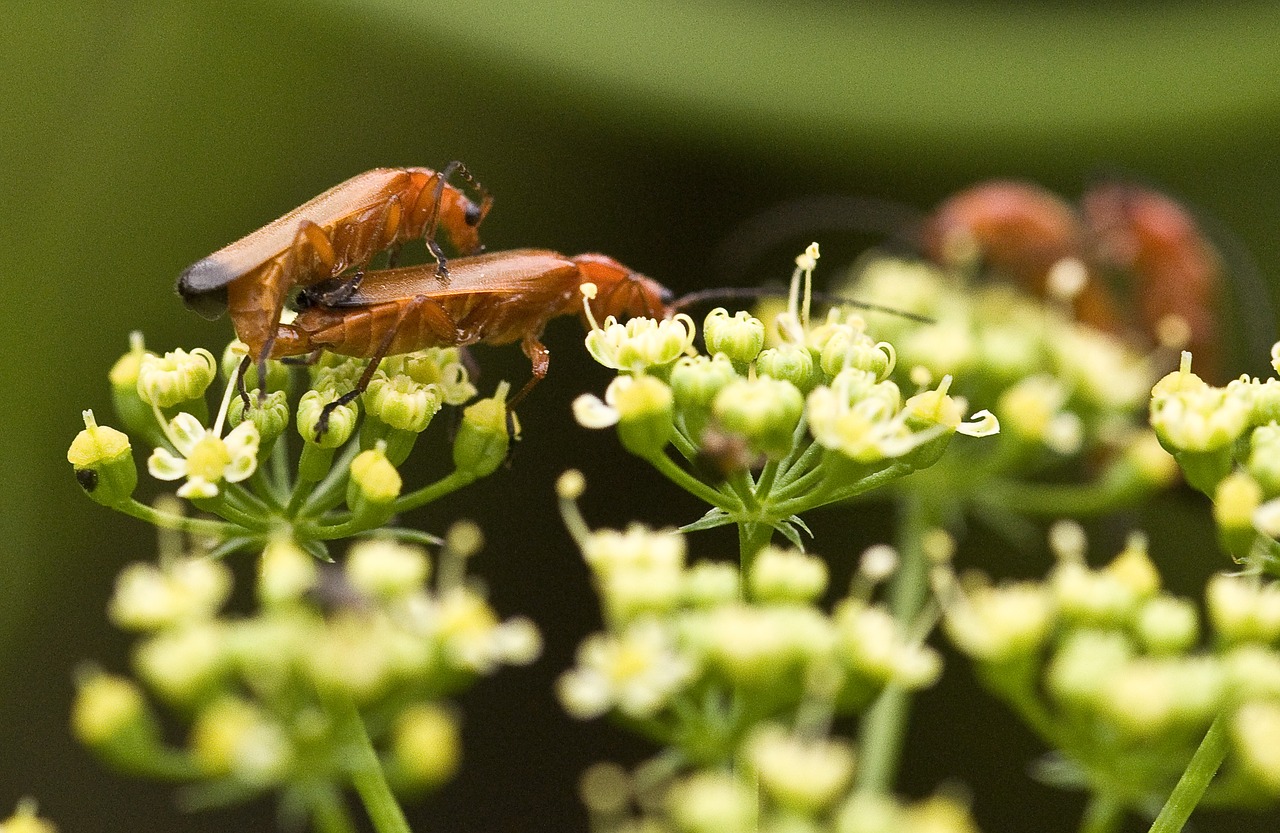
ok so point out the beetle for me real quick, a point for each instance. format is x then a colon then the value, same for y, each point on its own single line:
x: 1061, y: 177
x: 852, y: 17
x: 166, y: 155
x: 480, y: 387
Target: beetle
x: 496, y: 298
x: 1019, y: 230
x: 342, y: 228
x: 1177, y: 270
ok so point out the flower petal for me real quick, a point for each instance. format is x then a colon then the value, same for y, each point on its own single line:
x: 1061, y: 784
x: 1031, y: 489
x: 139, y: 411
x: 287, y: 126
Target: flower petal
x: 185, y: 431
x: 590, y: 412
x: 198, y: 487
x: 983, y: 424
x: 165, y: 466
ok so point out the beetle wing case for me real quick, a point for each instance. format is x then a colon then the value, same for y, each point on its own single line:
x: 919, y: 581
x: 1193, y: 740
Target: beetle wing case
x: 203, y: 287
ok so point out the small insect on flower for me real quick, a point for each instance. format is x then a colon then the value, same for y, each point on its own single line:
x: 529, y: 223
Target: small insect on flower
x: 497, y: 298
x: 342, y: 228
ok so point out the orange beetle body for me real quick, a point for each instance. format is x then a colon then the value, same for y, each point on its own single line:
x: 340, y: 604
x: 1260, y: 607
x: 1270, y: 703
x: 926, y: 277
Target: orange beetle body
x: 1177, y: 271
x: 342, y: 228
x: 495, y: 298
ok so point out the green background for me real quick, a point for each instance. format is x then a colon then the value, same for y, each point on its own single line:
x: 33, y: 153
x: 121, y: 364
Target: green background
x: 138, y: 137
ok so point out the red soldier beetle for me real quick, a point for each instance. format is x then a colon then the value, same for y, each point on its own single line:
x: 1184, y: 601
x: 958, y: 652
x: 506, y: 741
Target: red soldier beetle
x: 496, y: 298
x: 1019, y: 230
x: 1177, y: 271
x: 342, y: 228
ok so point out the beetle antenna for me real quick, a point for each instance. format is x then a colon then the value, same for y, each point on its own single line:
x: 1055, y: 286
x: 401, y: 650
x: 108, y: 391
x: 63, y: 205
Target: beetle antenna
x: 757, y: 292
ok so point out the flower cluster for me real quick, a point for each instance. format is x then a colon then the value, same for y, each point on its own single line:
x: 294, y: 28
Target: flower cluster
x: 238, y: 465
x: 1227, y: 442
x: 273, y: 697
x: 788, y: 781
x: 339, y: 678
x: 705, y: 659
x: 1069, y: 398
x: 1107, y: 667
x: 766, y: 434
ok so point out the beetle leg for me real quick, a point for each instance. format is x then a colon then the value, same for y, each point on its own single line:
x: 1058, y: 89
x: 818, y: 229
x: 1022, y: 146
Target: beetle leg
x: 540, y: 358
x: 442, y: 270
x: 240, y: 384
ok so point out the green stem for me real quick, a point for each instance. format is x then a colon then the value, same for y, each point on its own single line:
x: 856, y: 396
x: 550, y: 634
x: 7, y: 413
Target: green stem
x: 691, y: 484
x: 329, y: 813
x: 332, y: 487
x: 367, y: 775
x: 885, y: 723
x: 752, y: 537
x: 181, y: 523
x: 434, y: 491
x: 1195, y: 780
x: 1103, y: 814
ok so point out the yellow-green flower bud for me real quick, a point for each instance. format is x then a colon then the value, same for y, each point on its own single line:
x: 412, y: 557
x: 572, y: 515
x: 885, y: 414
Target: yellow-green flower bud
x: 137, y: 416
x: 341, y: 421
x: 1168, y: 625
x: 804, y: 775
x: 1264, y: 458
x: 403, y: 403
x: 26, y: 820
x: 374, y: 482
x: 645, y: 406
x: 175, y: 377
x: 641, y: 343
x: 762, y: 411
x: 1266, y: 402
x: 1133, y: 568
x: 234, y: 737
x: 1148, y: 696
x: 709, y: 584
x: 1235, y: 501
x: 182, y: 664
x: 789, y: 363
x: 1253, y: 672
x: 483, y: 439
x: 1241, y: 610
x: 713, y: 802
x: 425, y: 745
x: 997, y: 625
x: 1199, y: 418
x: 740, y: 336
x: 874, y: 645
x: 847, y: 347
x: 270, y: 417
x: 103, y: 463
x: 385, y: 569
x: 782, y: 576
x: 1082, y: 669
x: 1255, y: 736
x: 285, y: 572
x: 107, y: 707
x: 440, y: 366
x: 233, y: 356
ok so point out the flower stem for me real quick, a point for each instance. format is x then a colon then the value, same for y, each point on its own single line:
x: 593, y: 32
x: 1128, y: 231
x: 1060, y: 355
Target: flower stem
x: 165, y: 520
x: 366, y: 771
x: 1191, y: 786
x: 434, y: 491
x: 885, y: 723
x: 328, y: 813
x: 691, y: 484
x: 1103, y: 814
x: 752, y: 537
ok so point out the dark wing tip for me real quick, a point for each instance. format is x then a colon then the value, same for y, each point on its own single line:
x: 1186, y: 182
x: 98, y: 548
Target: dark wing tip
x: 203, y: 287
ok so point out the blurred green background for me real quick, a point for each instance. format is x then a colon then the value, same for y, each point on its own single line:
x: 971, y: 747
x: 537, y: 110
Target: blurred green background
x: 140, y: 136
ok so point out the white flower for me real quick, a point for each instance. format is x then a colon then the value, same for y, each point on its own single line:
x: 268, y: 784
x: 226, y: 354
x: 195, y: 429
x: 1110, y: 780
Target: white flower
x: 206, y: 458
x: 637, y: 672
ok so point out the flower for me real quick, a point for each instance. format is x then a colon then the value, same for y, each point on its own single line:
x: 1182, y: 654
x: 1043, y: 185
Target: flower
x: 206, y: 459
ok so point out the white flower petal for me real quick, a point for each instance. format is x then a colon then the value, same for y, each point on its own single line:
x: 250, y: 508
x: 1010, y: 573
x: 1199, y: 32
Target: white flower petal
x: 185, y: 431
x: 165, y: 466
x: 984, y: 424
x: 590, y: 412
x: 198, y: 487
